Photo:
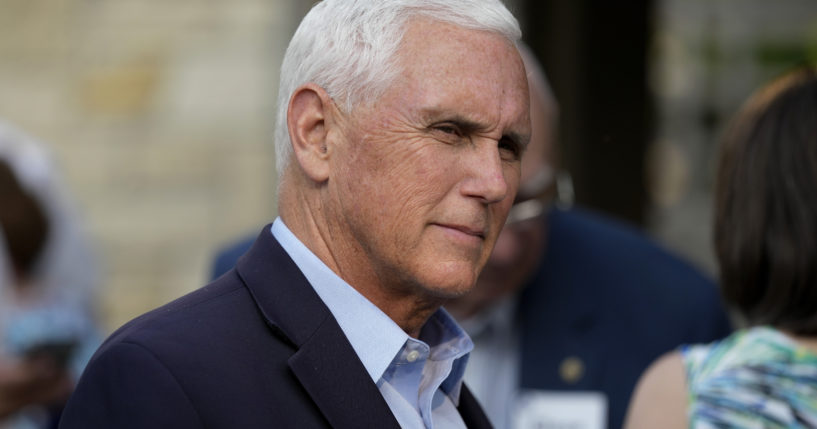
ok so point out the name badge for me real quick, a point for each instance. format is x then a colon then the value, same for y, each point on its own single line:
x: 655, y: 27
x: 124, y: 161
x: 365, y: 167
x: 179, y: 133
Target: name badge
x: 559, y: 410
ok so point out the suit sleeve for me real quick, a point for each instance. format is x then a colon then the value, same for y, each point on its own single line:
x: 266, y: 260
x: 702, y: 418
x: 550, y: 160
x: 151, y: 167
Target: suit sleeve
x: 126, y: 386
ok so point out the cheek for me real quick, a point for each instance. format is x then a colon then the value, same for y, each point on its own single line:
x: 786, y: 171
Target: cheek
x: 383, y: 189
x: 409, y: 193
x: 408, y: 175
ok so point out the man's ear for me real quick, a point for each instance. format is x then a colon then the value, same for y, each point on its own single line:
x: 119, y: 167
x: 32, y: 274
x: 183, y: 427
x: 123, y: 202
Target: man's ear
x: 307, y: 115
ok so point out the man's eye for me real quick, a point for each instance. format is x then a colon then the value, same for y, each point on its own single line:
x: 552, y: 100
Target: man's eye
x: 510, y: 149
x: 449, y: 129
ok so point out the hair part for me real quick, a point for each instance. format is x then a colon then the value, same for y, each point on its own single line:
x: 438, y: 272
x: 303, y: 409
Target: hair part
x: 348, y: 48
x: 766, y: 206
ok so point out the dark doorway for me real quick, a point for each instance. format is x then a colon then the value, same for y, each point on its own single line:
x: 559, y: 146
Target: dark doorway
x: 595, y: 55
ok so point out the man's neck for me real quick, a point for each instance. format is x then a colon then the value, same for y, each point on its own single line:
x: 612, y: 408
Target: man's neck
x: 404, y: 304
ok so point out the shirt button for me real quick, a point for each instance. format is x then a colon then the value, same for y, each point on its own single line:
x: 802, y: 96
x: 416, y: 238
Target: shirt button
x: 412, y: 356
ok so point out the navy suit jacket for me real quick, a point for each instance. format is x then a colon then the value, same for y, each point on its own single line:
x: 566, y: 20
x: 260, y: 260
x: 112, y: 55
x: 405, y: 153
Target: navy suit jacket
x: 610, y: 298
x: 604, y: 295
x: 257, y: 348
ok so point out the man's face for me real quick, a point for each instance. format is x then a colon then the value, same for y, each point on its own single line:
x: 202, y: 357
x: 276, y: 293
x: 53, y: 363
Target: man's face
x: 428, y: 172
x: 520, y: 245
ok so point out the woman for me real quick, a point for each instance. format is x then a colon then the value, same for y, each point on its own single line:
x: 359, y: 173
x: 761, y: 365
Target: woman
x: 764, y: 376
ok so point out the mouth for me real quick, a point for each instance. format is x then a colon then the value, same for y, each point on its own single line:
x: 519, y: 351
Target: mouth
x: 470, y: 231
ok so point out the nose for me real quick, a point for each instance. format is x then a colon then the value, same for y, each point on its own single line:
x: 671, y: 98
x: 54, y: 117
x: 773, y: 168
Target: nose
x: 486, y: 179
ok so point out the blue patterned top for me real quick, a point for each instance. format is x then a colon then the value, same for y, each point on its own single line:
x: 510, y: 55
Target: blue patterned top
x: 755, y: 378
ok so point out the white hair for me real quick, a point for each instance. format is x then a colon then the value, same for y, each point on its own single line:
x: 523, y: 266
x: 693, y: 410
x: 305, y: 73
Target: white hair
x: 347, y: 47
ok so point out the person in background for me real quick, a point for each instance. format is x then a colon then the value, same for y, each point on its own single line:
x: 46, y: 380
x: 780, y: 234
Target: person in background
x: 400, y: 131
x: 764, y: 375
x: 573, y: 306
x: 47, y: 285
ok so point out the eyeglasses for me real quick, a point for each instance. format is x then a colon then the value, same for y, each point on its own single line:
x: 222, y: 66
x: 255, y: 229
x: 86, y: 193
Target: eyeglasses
x: 531, y: 198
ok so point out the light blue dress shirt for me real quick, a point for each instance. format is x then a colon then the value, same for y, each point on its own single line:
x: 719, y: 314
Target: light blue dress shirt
x: 420, y: 379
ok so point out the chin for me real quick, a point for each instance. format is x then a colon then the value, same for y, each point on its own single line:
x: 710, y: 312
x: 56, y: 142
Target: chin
x: 449, y: 284
x: 438, y: 275
x: 449, y: 292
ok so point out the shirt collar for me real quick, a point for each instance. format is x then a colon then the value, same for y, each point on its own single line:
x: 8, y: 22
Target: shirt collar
x: 448, y: 341
x: 373, y: 335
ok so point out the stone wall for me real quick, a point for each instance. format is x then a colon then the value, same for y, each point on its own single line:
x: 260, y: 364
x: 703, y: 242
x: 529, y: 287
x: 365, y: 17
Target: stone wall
x: 160, y: 116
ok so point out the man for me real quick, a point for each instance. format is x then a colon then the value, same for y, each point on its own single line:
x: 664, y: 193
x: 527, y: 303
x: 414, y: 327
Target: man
x: 572, y: 307
x: 400, y: 131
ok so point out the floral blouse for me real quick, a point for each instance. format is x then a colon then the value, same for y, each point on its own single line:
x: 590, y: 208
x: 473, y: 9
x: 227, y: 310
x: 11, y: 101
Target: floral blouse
x: 755, y: 378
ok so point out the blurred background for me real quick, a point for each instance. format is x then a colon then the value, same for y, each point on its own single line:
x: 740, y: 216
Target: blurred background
x: 159, y: 114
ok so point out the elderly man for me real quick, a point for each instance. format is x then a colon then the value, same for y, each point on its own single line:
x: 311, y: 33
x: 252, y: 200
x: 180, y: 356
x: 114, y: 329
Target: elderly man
x: 400, y: 131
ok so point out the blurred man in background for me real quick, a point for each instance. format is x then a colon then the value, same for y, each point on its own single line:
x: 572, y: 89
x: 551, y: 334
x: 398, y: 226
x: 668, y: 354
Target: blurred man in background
x: 572, y: 307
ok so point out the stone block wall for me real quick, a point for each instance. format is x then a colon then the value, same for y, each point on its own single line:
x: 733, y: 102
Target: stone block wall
x: 160, y: 115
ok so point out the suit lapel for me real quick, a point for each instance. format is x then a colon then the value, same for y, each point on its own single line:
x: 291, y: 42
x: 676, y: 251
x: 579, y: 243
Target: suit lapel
x: 560, y: 310
x: 325, y: 362
x: 342, y: 388
x: 471, y: 412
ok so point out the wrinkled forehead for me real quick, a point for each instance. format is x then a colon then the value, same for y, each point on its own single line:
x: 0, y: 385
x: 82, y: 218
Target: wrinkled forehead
x: 421, y: 33
x: 443, y: 57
